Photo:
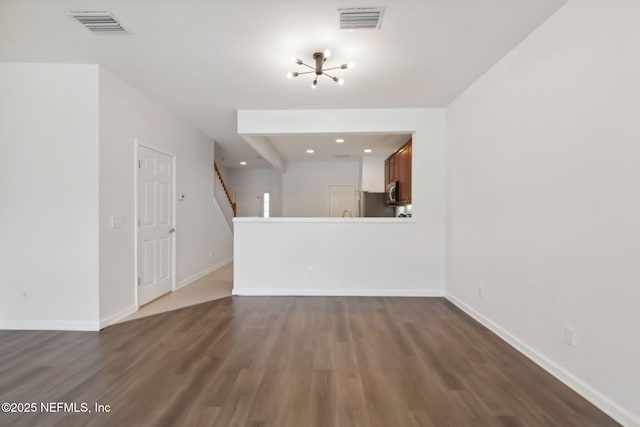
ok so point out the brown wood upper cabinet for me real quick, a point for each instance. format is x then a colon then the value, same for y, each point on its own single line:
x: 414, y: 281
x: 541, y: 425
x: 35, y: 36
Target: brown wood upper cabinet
x: 397, y: 167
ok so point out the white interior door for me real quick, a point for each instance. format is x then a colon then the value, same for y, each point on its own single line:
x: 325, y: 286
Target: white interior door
x: 155, y: 224
x: 342, y: 200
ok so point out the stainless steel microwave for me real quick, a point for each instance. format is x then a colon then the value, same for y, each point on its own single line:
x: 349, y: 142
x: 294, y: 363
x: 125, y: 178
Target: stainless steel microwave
x: 392, y: 193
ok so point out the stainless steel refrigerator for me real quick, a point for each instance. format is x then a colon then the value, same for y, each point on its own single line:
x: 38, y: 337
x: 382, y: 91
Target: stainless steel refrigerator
x: 374, y: 205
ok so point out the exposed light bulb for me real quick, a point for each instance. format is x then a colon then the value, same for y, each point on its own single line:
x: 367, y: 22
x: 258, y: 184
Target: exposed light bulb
x: 340, y: 140
x: 314, y: 84
x: 289, y: 75
x: 327, y: 53
x: 294, y: 59
x: 243, y: 163
x: 340, y: 81
x: 367, y: 150
x: 310, y: 151
x: 351, y: 65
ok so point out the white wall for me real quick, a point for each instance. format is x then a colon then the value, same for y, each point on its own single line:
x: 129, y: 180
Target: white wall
x: 250, y: 178
x: 332, y: 256
x: 544, y: 202
x: 222, y: 202
x: 305, y: 186
x: 49, y: 203
x: 218, y: 190
x: 373, y: 174
x: 374, y: 256
x: 224, y: 171
x: 125, y: 115
x: 276, y: 196
x: 245, y: 183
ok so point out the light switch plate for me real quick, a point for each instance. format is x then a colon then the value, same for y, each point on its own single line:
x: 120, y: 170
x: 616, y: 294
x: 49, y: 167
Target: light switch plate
x: 569, y: 336
x: 117, y: 221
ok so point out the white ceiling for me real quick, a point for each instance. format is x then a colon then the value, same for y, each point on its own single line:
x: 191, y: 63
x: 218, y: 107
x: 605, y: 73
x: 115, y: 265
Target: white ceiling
x: 205, y: 59
x: 293, y: 148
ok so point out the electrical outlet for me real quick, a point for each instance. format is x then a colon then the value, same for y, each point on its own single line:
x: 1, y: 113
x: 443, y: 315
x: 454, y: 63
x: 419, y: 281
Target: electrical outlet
x: 309, y: 271
x: 569, y: 336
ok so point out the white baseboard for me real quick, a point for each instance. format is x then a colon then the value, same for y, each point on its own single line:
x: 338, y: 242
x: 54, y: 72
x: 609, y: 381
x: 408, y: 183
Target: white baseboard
x: 191, y: 279
x: 607, y: 405
x: 46, y: 325
x: 339, y: 292
x: 110, y: 320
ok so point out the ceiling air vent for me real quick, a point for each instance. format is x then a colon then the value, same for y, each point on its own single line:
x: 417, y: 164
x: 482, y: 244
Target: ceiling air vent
x: 342, y: 156
x: 99, y: 22
x: 360, y: 18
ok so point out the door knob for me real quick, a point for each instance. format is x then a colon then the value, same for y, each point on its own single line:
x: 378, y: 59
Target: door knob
x: 172, y: 230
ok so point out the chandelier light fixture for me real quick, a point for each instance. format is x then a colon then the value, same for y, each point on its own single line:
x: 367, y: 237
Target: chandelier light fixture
x: 320, y: 58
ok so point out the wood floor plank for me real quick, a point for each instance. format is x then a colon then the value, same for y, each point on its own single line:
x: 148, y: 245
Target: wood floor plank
x: 288, y: 361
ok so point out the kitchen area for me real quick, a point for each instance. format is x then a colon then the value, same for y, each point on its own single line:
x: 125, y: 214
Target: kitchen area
x: 316, y: 248
x: 357, y: 176
x: 386, y: 185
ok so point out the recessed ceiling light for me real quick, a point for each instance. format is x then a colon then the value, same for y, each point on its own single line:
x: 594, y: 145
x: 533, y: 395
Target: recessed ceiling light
x: 339, y: 140
x: 310, y: 151
x: 367, y: 150
x: 243, y: 163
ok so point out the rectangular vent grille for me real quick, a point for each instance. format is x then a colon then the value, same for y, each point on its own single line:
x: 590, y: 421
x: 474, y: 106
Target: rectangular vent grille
x: 99, y: 22
x: 360, y: 18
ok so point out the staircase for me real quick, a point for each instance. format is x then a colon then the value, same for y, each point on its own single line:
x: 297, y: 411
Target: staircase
x: 223, y: 198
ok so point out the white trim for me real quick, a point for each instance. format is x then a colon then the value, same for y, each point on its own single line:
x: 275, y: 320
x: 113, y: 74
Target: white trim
x: 339, y: 292
x: 136, y: 217
x: 110, y: 320
x: 175, y: 220
x: 394, y: 220
x: 189, y: 280
x: 46, y: 325
x: 174, y: 162
x: 607, y: 405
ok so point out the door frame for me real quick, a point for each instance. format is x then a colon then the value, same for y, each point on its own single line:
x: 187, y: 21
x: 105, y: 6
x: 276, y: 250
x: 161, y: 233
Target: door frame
x: 139, y: 143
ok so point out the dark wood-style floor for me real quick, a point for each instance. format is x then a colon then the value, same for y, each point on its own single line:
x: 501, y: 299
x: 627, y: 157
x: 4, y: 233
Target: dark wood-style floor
x: 289, y: 361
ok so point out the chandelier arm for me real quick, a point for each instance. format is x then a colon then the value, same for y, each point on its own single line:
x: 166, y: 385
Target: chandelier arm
x: 306, y: 72
x: 328, y: 75
x: 309, y: 66
x: 332, y: 68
